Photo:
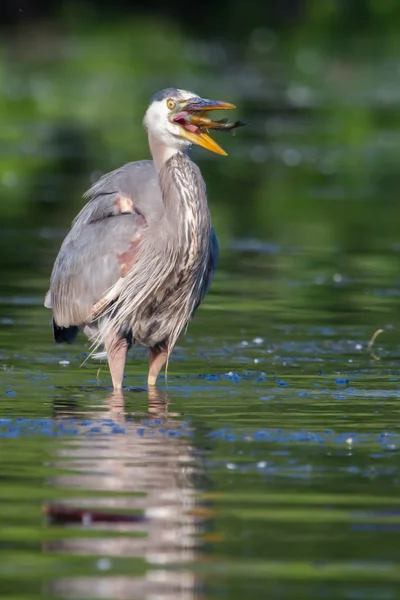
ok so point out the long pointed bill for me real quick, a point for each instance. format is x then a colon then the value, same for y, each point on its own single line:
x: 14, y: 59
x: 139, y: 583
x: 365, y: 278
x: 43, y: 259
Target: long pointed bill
x: 202, y: 139
x: 201, y: 105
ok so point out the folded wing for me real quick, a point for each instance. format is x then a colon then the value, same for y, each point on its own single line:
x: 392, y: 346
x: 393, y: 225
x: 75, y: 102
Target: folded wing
x: 102, y: 243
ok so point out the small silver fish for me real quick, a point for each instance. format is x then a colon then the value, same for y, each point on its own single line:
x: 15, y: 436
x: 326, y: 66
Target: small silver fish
x: 206, y: 123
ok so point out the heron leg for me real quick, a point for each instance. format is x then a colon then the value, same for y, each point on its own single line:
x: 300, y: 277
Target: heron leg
x: 157, y: 359
x: 117, y: 349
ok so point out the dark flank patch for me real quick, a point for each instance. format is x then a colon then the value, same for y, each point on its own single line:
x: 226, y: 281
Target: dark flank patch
x: 64, y: 334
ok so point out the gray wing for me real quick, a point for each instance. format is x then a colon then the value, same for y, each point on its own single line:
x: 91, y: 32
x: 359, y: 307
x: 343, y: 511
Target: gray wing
x: 103, y: 240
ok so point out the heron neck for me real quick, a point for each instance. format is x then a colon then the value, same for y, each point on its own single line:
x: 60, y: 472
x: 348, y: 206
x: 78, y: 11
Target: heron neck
x: 160, y: 152
x: 183, y: 191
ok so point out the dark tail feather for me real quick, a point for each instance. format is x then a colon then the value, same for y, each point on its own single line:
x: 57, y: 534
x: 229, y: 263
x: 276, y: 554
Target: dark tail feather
x: 64, y: 334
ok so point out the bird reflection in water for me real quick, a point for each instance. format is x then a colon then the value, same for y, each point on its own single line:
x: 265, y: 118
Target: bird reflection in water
x: 148, y: 477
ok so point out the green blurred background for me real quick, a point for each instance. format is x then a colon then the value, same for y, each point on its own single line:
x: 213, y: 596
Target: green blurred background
x: 315, y: 173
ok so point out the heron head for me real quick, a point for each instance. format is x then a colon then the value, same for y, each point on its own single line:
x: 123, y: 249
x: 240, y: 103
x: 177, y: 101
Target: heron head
x: 178, y: 118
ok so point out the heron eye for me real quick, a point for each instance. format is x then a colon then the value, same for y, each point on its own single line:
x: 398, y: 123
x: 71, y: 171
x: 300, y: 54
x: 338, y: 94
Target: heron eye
x: 171, y: 104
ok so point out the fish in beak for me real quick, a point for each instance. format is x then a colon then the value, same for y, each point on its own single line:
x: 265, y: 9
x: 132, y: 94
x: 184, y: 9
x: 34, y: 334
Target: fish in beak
x: 194, y: 124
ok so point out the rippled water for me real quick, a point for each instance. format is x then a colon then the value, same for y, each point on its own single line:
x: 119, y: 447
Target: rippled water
x: 268, y: 467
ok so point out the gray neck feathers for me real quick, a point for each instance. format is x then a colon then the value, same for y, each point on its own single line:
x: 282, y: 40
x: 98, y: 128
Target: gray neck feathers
x: 186, y: 217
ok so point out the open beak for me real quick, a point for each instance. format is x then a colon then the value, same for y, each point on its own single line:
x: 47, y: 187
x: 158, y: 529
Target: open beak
x: 195, y: 133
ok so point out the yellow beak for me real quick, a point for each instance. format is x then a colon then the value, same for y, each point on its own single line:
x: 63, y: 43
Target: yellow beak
x: 202, y: 139
x: 200, y: 105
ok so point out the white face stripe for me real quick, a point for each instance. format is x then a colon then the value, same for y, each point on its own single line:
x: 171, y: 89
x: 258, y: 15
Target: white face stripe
x: 159, y: 108
x: 160, y: 127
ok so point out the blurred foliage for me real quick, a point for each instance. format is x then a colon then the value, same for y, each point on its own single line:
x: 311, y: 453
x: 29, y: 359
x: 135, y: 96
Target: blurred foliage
x: 315, y: 170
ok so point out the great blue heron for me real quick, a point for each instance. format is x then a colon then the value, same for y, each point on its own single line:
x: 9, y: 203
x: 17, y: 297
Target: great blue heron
x: 141, y: 254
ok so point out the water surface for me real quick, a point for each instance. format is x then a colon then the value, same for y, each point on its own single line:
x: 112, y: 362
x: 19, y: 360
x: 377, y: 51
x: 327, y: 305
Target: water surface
x: 266, y: 465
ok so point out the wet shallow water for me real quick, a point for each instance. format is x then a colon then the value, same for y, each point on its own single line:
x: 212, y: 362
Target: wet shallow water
x: 267, y: 467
